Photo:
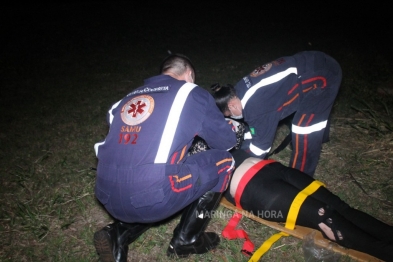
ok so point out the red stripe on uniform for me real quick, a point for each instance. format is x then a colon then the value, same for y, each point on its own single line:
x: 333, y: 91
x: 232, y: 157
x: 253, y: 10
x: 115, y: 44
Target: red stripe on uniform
x: 177, y: 190
x: 225, y: 184
x: 305, y: 142
x: 297, y: 144
x: 223, y: 169
x: 173, y: 159
x: 292, y: 89
x: 323, y: 79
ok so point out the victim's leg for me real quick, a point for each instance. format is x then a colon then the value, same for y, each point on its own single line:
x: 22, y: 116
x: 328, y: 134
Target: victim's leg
x: 366, y: 222
x: 362, y: 220
x: 316, y: 214
x: 349, y: 235
x: 277, y: 196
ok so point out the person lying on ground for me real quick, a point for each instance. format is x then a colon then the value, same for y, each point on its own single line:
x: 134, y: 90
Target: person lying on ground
x: 269, y: 186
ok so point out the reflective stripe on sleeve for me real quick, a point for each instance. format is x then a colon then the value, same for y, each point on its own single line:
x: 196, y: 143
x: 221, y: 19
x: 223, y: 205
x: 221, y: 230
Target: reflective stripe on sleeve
x: 110, y: 122
x: 110, y: 111
x: 257, y: 151
x: 172, y: 122
x: 267, y: 81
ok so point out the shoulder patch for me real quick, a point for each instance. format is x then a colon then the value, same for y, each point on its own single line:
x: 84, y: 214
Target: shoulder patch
x: 261, y: 70
x: 137, y: 110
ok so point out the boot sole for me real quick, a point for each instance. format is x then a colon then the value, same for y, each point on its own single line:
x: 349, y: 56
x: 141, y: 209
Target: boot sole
x: 172, y: 254
x: 102, y: 243
x: 200, y: 248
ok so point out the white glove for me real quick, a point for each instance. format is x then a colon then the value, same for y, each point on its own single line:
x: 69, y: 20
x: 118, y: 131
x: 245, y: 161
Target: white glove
x: 239, y: 129
x: 235, y: 124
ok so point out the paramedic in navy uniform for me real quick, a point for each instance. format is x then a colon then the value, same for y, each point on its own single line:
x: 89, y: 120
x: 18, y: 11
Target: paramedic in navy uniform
x: 144, y: 174
x: 304, y: 85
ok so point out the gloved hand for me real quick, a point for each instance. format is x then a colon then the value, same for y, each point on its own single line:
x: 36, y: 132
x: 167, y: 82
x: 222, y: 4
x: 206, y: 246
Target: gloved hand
x: 239, y: 129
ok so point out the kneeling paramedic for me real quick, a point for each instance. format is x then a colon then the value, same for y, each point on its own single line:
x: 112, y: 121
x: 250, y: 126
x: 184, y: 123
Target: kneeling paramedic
x: 144, y: 174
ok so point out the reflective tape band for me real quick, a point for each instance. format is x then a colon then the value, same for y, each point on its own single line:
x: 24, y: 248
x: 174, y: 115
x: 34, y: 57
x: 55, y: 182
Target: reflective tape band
x: 303, y: 130
x: 110, y: 119
x: 257, y: 151
x: 172, y: 123
x: 267, y: 81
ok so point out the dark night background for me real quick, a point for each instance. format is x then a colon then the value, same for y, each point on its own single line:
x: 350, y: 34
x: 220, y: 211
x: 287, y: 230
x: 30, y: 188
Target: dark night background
x: 32, y: 29
x: 34, y: 35
x: 40, y: 39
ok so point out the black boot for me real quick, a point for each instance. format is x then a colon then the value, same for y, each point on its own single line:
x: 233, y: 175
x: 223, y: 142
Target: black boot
x: 112, y: 241
x: 189, y: 236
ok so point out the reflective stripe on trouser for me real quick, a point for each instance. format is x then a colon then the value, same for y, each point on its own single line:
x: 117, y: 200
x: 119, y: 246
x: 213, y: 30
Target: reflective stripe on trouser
x: 307, y: 137
x: 314, y: 110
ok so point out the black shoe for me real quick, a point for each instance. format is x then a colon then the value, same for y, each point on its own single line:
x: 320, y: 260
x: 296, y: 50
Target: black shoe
x: 105, y: 244
x: 189, y: 236
x: 206, y: 242
x: 112, y: 241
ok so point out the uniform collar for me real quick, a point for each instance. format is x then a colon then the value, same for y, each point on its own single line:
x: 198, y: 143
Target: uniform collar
x: 157, y: 78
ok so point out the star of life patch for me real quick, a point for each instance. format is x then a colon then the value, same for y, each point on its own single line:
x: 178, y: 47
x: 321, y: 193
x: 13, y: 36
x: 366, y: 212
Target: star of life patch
x: 137, y: 110
x: 261, y: 70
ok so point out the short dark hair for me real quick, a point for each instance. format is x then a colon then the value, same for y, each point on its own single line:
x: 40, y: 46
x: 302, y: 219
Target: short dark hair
x: 222, y: 95
x: 177, y: 63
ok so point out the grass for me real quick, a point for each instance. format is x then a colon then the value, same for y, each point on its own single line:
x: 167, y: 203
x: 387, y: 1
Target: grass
x: 59, y: 79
